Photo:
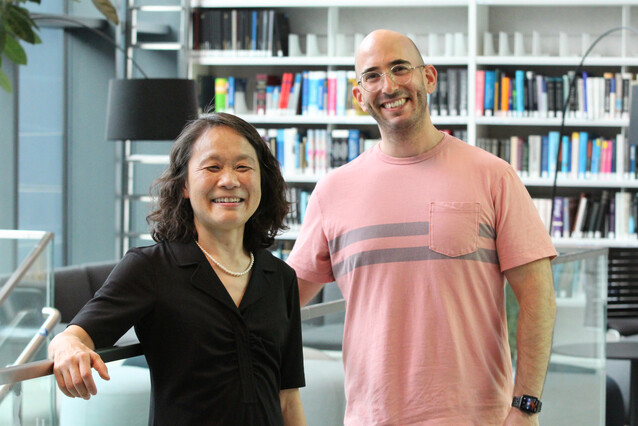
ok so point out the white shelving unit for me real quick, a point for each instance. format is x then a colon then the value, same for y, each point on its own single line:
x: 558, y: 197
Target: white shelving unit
x: 327, y: 18
x: 473, y: 18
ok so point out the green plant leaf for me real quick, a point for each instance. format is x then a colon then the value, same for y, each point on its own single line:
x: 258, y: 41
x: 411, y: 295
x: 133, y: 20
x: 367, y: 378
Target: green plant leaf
x: 21, y: 24
x: 106, y: 8
x: 5, y: 83
x: 15, y: 52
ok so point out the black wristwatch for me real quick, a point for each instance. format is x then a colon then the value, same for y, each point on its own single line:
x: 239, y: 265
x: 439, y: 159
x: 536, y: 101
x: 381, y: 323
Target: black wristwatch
x: 528, y: 404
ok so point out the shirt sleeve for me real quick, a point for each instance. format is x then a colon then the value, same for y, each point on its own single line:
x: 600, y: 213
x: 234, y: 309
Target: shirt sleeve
x: 120, y: 303
x: 310, y: 256
x: 521, y: 236
x: 292, y: 369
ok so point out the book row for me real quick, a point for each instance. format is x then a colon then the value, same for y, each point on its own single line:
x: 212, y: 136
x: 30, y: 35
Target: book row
x: 605, y: 215
x: 530, y: 94
x: 578, y: 155
x: 315, y: 93
x: 313, y: 152
x: 240, y: 32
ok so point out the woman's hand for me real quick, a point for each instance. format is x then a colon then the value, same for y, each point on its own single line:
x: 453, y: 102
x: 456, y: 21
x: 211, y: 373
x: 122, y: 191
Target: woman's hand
x: 73, y: 357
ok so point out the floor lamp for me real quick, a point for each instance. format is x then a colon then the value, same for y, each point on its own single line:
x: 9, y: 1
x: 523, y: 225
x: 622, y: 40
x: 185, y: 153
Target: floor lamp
x: 145, y: 109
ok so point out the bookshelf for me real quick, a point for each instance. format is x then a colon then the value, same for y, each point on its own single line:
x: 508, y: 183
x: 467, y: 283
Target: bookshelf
x: 333, y: 21
x: 435, y: 26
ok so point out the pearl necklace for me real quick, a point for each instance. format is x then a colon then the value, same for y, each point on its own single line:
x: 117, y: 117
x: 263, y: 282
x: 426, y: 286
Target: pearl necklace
x: 223, y: 268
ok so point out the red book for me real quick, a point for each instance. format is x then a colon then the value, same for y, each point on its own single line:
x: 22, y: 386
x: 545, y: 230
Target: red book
x: 284, y: 95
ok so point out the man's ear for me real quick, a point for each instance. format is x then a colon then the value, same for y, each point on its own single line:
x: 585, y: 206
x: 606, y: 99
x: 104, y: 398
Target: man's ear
x: 430, y: 74
x: 356, y: 92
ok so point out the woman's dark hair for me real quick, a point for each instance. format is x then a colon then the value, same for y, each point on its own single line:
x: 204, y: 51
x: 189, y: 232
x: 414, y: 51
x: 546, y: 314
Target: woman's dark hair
x: 173, y: 220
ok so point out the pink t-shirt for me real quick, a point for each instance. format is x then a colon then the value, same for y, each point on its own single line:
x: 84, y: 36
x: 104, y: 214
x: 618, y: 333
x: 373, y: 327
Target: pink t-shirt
x: 418, y: 247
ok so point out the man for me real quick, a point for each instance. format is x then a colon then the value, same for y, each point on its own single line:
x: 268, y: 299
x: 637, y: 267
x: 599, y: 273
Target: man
x: 419, y: 233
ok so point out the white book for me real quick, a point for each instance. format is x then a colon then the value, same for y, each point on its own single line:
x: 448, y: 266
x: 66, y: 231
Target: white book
x: 535, y: 145
x: 621, y: 167
x: 580, y: 216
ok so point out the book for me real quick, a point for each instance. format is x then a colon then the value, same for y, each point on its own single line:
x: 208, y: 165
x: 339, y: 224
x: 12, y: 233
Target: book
x: 581, y: 212
x: 442, y: 93
x: 603, y: 212
x: 479, y: 96
x: 505, y: 95
x: 230, y: 96
x: 286, y: 87
x: 565, y: 155
x: 261, y: 87
x: 552, y: 152
x: 354, y: 142
x: 557, y: 217
x: 205, y: 92
x: 582, y: 157
x: 534, y: 142
x: 452, y: 92
x: 463, y: 95
x: 490, y: 77
x: 221, y: 89
x: 575, y: 155
x: 519, y: 77
x: 338, y: 147
x: 342, y: 93
x: 331, y: 107
x: 531, y: 97
x: 295, y: 96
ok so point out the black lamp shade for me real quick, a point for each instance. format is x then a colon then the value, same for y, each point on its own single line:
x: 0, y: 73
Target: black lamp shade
x: 149, y: 109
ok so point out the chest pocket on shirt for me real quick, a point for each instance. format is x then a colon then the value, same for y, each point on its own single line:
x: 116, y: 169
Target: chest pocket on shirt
x: 454, y: 227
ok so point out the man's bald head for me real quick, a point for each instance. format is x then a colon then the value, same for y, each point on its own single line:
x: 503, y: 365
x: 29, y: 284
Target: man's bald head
x: 386, y: 39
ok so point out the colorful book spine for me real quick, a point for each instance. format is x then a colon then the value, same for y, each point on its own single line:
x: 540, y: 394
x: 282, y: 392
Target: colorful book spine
x: 480, y: 93
x: 490, y: 80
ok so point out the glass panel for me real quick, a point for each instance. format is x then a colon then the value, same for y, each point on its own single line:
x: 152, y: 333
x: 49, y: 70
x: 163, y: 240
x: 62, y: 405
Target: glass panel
x: 577, y: 366
x: 21, y: 320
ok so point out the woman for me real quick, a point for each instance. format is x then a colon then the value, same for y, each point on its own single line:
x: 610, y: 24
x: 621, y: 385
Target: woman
x: 216, y: 313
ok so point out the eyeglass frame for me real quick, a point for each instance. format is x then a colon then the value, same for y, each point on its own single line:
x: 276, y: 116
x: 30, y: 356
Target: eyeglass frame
x: 390, y: 73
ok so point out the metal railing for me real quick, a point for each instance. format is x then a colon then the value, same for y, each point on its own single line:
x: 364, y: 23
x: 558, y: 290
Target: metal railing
x: 19, y: 372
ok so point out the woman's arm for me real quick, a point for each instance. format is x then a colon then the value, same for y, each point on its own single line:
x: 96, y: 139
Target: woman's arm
x: 73, y: 356
x: 291, y: 407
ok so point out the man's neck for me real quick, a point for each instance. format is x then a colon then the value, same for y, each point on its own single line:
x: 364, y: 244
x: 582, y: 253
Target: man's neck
x: 410, y: 144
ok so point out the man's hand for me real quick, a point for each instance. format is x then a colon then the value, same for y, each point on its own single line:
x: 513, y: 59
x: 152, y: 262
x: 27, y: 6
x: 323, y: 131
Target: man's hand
x: 73, y: 357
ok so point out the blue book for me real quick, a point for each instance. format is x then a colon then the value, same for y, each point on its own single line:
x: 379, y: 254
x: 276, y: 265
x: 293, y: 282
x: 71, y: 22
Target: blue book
x: 280, y: 147
x: 253, y: 33
x: 313, y: 93
x: 632, y: 160
x: 305, y: 92
x: 519, y: 77
x: 322, y: 89
x: 230, y: 97
x: 353, y: 144
x: 595, y: 155
x: 582, y: 154
x: 544, y: 156
x: 552, y: 152
x: 565, y: 155
x: 490, y: 78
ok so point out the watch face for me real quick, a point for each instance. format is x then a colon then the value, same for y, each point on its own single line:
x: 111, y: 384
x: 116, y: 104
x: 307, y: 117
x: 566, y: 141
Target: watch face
x: 529, y: 403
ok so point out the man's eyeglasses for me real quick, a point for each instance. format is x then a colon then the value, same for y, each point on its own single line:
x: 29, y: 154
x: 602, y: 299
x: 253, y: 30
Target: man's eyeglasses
x: 372, y: 81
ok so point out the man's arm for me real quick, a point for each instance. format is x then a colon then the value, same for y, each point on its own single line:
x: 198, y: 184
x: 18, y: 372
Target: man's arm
x: 308, y: 290
x: 291, y: 407
x: 533, y: 286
